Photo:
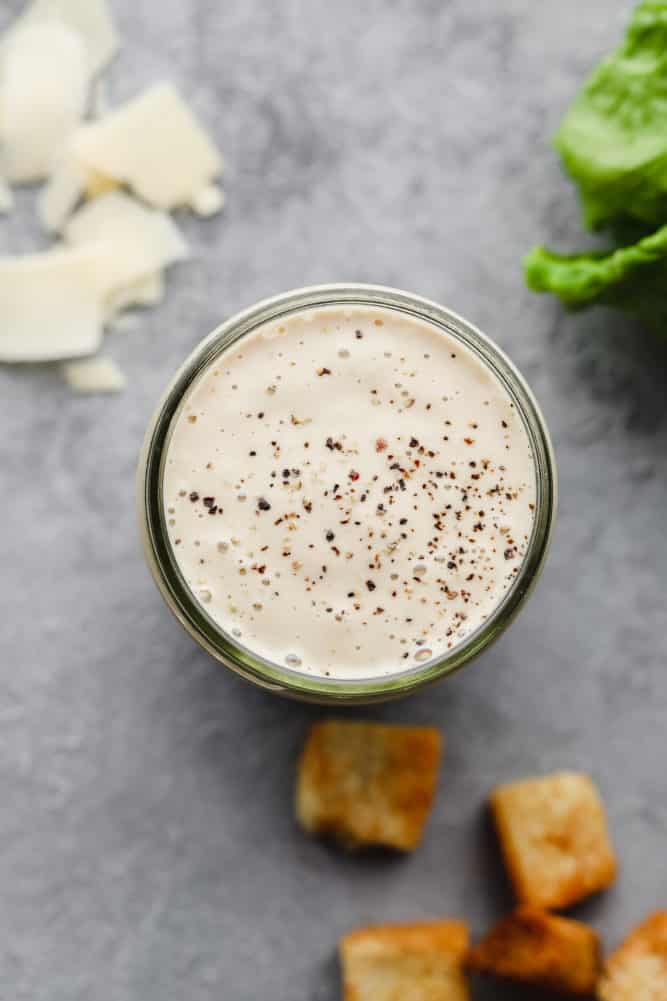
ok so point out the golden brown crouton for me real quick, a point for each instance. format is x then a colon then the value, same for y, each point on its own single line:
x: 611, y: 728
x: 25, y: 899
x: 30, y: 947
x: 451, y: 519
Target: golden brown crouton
x: 537, y: 948
x: 366, y: 783
x: 554, y: 838
x: 418, y: 962
x: 637, y: 971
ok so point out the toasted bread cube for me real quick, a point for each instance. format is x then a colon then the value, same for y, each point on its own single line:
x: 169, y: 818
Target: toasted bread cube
x: 417, y: 962
x: 554, y: 838
x: 537, y: 948
x: 368, y: 784
x: 637, y: 971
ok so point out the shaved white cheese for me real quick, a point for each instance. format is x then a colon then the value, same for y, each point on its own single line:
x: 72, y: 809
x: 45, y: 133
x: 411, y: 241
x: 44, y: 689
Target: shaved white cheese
x: 54, y: 305
x: 154, y: 145
x: 59, y: 197
x: 144, y: 242
x: 88, y: 18
x: 94, y: 375
x: 51, y: 304
x: 149, y: 235
x: 208, y: 201
x: 42, y: 98
x: 6, y: 197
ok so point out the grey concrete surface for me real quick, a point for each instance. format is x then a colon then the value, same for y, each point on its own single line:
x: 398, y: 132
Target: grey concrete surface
x: 147, y: 846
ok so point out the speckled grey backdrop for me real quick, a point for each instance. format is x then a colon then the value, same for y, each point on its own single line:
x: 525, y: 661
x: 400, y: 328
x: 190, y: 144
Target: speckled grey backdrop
x: 147, y: 846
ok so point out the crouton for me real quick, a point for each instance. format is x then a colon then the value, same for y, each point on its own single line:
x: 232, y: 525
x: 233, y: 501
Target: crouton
x: 637, y: 971
x: 368, y: 784
x: 554, y: 838
x: 537, y: 948
x: 417, y: 962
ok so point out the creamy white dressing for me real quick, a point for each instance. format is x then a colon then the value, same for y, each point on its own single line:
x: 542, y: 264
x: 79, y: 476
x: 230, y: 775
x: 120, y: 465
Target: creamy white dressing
x: 349, y: 492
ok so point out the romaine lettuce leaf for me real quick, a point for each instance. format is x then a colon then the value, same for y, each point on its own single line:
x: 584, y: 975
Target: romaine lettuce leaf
x: 633, y: 278
x: 613, y: 139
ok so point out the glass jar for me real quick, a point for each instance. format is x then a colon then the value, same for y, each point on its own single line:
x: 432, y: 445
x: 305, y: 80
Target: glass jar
x: 189, y: 611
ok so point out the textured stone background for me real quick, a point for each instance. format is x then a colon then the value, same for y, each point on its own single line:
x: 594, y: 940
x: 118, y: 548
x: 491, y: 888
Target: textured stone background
x: 147, y: 846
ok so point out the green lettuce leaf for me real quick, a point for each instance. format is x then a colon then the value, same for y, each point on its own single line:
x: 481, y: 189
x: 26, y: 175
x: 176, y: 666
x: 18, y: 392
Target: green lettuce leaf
x: 613, y: 139
x: 632, y: 278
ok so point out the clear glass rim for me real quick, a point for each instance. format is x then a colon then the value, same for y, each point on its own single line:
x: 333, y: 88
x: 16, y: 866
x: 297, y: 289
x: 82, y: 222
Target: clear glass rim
x: 189, y: 611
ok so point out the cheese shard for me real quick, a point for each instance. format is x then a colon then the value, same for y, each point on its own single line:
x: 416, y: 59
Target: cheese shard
x: 149, y: 235
x: 51, y: 304
x: 69, y: 183
x: 94, y: 375
x: 54, y: 305
x: 59, y: 197
x: 42, y: 98
x: 154, y: 145
x: 90, y: 19
x: 144, y: 241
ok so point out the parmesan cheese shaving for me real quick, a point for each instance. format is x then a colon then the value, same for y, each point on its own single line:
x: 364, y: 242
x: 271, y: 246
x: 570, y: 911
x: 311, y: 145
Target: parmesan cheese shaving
x: 88, y: 18
x: 54, y: 305
x: 94, y: 375
x: 154, y: 145
x: 115, y: 249
x: 144, y: 242
x: 42, y: 98
x: 151, y: 237
x: 59, y: 197
x: 51, y: 304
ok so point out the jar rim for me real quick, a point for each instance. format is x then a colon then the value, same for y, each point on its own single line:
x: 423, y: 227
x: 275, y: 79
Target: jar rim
x: 166, y: 572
